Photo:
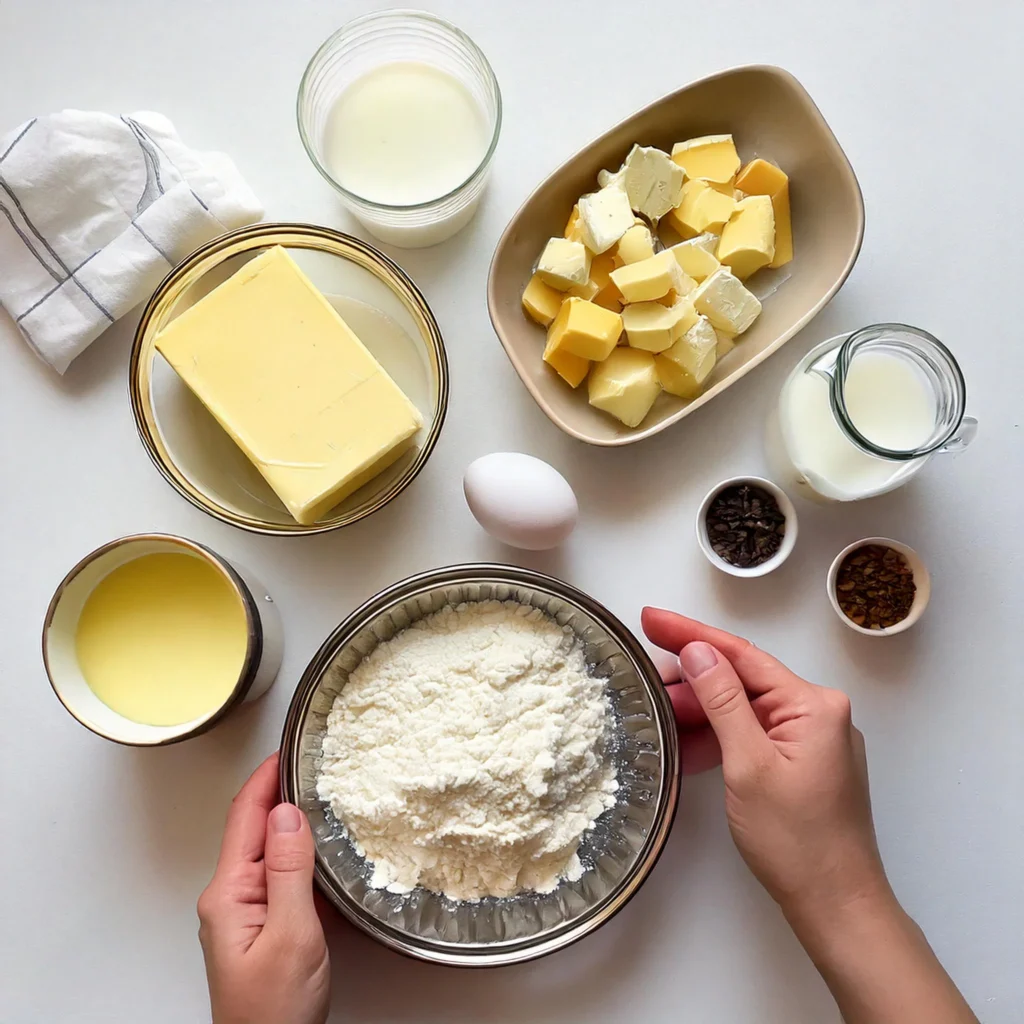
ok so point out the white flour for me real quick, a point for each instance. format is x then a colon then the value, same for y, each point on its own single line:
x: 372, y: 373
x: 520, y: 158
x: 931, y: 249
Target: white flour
x: 467, y: 754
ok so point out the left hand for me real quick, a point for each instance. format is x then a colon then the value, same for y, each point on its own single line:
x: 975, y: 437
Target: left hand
x: 266, y: 956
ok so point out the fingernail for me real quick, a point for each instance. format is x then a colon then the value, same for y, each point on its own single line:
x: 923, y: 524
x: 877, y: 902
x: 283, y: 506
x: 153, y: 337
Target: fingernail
x: 285, y: 818
x: 697, y: 658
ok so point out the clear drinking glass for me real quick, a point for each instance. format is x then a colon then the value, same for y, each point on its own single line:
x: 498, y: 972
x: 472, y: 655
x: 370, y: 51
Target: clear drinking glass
x: 382, y: 38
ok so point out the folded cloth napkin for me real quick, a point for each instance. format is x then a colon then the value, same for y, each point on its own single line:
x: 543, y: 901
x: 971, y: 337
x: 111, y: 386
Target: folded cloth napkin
x: 94, y: 210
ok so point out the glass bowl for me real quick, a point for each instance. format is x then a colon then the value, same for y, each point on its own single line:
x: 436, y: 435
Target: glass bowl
x: 618, y: 853
x: 379, y: 302
x: 386, y: 37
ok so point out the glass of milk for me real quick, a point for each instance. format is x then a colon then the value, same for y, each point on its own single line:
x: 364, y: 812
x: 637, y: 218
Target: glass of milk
x: 862, y: 413
x: 400, y: 112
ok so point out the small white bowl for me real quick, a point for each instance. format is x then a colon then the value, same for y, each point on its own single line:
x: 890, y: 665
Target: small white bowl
x: 922, y: 580
x: 788, y: 538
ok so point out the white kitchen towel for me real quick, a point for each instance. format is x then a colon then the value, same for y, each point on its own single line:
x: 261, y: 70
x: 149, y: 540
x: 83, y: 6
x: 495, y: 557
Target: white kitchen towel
x: 94, y: 210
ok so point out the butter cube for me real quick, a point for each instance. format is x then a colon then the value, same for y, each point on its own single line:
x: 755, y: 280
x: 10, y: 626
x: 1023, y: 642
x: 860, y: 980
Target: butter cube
x: 605, y: 216
x: 694, y: 259
x: 695, y: 351
x: 587, y: 290
x: 708, y: 241
x: 652, y: 327
x: 572, y: 369
x: 711, y: 157
x: 541, y: 302
x: 635, y: 245
x: 783, y: 228
x: 726, y: 343
x: 760, y: 178
x: 609, y: 297
x: 572, y: 226
x: 601, y: 267
x: 652, y: 278
x: 287, y: 378
x: 651, y: 181
x: 584, y: 329
x: 700, y: 210
x: 748, y: 240
x: 723, y: 299
x: 625, y: 385
x: 563, y: 263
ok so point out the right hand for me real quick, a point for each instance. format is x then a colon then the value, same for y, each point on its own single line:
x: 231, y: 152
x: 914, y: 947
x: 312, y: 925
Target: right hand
x: 794, y: 766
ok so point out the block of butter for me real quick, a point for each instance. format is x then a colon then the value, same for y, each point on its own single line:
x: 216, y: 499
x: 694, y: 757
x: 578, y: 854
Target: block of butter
x: 625, y: 385
x: 701, y: 210
x: 711, y: 157
x: 748, y: 240
x: 541, y: 302
x: 760, y: 178
x: 584, y: 329
x: 291, y: 383
x: 652, y: 278
x: 723, y: 299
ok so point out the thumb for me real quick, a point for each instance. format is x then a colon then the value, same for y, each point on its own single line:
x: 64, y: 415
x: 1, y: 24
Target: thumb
x: 724, y: 700
x: 288, y: 858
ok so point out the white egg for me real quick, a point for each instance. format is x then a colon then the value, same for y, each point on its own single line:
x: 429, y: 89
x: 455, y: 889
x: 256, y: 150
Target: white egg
x: 521, y: 500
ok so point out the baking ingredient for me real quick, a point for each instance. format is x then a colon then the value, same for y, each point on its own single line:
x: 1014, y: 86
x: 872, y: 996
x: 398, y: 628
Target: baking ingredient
x: 652, y: 278
x: 286, y: 377
x: 887, y: 400
x: 651, y: 181
x: 468, y: 754
x: 701, y: 209
x: 748, y: 240
x: 875, y: 587
x: 572, y: 369
x: 605, y: 216
x: 563, y: 263
x: 685, y: 366
x: 403, y: 133
x: 711, y: 157
x: 635, y: 245
x: 653, y: 327
x: 745, y: 525
x: 760, y: 178
x: 625, y: 385
x: 584, y: 329
x: 726, y: 303
x: 521, y: 500
x: 695, y: 259
x: 541, y: 301
x: 162, y: 639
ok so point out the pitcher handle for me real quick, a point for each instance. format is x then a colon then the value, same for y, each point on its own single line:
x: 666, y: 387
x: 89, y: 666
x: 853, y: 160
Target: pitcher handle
x: 968, y: 432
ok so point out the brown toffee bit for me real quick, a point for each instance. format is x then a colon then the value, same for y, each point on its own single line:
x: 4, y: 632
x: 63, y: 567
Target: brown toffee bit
x: 875, y: 587
x: 745, y: 526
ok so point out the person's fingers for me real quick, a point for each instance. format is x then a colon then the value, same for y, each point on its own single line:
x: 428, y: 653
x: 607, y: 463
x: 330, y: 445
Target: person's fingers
x: 699, y: 750
x: 289, y: 862
x: 759, y: 671
x: 246, y: 828
x: 688, y: 711
x: 724, y: 699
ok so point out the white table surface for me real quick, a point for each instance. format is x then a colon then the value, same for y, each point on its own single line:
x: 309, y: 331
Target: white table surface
x: 103, y: 849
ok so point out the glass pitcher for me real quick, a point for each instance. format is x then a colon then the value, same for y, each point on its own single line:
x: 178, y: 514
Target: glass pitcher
x: 862, y: 413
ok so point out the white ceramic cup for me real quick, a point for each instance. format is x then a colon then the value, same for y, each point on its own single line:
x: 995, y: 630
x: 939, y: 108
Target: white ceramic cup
x: 922, y: 580
x: 788, y: 538
x: 263, y: 652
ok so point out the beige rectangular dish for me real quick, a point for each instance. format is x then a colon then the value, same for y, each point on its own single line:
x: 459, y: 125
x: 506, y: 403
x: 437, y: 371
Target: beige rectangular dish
x: 771, y: 116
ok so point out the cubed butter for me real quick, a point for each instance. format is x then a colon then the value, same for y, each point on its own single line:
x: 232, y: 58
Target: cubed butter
x: 635, y: 245
x: 652, y: 327
x: 649, y: 279
x: 711, y: 158
x: 609, y: 297
x: 760, y: 178
x: 724, y: 300
x: 572, y: 369
x: 584, y: 329
x: 748, y: 240
x: 675, y: 380
x: 572, y: 226
x: 563, y: 263
x: 587, y: 290
x: 683, y: 368
x: 726, y: 343
x: 605, y: 216
x: 601, y: 267
x: 701, y: 210
x: 287, y: 378
x: 651, y: 181
x: 541, y: 302
x: 625, y: 385
x: 694, y: 259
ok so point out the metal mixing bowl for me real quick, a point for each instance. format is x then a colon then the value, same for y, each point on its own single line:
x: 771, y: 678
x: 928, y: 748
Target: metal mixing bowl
x: 618, y: 853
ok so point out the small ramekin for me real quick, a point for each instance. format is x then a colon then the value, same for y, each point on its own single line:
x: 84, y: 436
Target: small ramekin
x: 788, y: 538
x: 264, y: 646
x: 922, y: 580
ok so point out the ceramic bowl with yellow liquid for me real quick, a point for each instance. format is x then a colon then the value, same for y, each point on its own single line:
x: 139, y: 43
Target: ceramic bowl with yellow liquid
x: 153, y: 638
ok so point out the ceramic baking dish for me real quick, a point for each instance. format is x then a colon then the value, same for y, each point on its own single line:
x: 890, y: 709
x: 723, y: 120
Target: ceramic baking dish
x: 770, y: 115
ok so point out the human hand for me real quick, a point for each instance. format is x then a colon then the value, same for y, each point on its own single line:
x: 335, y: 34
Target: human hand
x: 794, y: 765
x: 266, y: 956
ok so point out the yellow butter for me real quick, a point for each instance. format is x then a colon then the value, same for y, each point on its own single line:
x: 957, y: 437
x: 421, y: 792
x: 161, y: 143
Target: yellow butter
x: 652, y: 327
x: 711, y: 157
x: 695, y: 351
x: 694, y: 259
x: 748, y: 240
x: 625, y: 385
x: 572, y: 369
x: 675, y: 380
x: 635, y: 245
x: 584, y: 329
x: 760, y: 178
x: 541, y: 302
x: 291, y: 383
x: 563, y: 263
x: 652, y: 278
x: 701, y: 209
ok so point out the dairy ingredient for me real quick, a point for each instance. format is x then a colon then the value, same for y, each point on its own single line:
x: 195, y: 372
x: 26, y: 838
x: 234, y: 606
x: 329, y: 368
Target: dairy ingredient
x: 888, y: 401
x: 405, y: 133
x: 162, y: 639
x: 468, y: 754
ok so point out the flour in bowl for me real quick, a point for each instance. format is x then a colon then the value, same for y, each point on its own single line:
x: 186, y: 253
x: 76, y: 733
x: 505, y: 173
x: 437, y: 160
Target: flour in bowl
x: 468, y: 754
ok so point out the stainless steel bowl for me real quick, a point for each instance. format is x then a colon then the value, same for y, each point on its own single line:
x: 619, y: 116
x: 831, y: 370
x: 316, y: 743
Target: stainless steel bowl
x: 618, y: 853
